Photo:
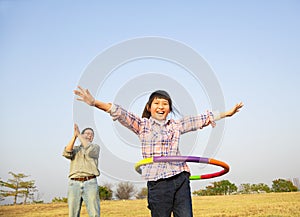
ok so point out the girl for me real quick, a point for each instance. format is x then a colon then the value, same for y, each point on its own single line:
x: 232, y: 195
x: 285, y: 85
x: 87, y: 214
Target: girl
x: 168, y: 182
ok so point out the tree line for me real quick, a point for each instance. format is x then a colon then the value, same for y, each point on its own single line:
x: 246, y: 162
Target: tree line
x: 225, y: 187
x: 17, y: 187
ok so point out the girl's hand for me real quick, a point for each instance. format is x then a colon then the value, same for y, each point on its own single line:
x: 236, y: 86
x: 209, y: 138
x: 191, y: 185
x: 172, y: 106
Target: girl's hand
x: 85, y: 96
x: 234, y: 109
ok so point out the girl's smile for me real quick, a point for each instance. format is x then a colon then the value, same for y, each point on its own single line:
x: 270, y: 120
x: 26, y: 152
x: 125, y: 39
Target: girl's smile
x: 159, y: 109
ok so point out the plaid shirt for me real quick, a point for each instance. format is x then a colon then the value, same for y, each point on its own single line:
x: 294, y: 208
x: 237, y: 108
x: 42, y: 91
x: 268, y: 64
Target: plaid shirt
x: 161, y: 139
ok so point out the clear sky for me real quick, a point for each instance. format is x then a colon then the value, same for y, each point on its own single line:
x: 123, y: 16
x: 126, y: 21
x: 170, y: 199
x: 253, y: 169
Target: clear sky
x: 253, y: 48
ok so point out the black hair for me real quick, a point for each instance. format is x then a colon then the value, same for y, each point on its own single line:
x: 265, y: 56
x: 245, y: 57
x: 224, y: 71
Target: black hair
x: 88, y: 128
x: 160, y: 94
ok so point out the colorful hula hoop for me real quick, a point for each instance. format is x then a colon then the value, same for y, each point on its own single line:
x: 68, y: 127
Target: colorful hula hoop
x: 157, y: 159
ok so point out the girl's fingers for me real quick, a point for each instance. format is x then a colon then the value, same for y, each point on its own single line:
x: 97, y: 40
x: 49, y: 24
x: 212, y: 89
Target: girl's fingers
x: 80, y: 88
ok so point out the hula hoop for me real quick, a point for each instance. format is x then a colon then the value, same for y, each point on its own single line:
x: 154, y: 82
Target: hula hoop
x: 157, y: 159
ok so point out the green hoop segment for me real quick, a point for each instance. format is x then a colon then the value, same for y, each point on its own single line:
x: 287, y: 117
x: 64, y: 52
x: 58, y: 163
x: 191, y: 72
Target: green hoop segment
x: 157, y: 159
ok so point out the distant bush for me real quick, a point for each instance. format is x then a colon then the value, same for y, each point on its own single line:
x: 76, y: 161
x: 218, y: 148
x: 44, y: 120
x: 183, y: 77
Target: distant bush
x: 125, y: 190
x: 38, y: 201
x: 105, y: 193
x: 142, y: 194
x: 60, y: 200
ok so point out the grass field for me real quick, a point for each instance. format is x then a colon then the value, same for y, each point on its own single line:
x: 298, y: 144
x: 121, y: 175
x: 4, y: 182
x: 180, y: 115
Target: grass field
x: 257, y: 205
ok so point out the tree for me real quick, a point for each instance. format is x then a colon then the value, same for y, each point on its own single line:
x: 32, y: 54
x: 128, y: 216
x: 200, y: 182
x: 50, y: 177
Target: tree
x: 245, y: 188
x: 223, y: 187
x: 282, y: 185
x: 142, y: 193
x: 203, y: 192
x: 125, y: 190
x: 27, y: 190
x: 18, y: 187
x: 261, y: 187
x: 251, y: 188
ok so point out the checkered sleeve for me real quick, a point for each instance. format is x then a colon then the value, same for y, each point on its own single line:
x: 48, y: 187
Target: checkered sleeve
x: 127, y: 119
x: 192, y: 123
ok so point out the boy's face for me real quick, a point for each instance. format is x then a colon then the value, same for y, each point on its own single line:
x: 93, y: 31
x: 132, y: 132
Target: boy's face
x: 159, y: 109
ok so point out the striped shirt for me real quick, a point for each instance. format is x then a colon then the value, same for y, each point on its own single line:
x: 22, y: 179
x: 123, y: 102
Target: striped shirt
x: 161, y: 139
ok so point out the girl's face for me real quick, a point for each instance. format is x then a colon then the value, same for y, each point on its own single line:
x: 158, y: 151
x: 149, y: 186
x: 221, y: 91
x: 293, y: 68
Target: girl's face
x: 159, y: 109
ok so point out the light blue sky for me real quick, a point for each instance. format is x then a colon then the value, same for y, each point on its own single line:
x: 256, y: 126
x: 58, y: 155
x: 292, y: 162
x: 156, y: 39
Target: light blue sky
x: 252, y: 46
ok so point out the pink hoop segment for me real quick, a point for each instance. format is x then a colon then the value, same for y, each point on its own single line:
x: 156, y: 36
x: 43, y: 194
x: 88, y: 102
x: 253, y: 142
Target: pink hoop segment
x: 193, y: 159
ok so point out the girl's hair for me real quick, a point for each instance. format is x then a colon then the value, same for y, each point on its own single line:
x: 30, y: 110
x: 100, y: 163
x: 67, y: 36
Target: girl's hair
x: 88, y: 128
x: 160, y: 94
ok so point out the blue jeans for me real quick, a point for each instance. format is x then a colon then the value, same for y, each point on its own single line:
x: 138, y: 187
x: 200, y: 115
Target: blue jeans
x: 170, y: 195
x: 83, y: 191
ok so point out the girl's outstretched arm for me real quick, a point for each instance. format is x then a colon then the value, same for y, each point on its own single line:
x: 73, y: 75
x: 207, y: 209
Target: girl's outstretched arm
x: 84, y: 95
x: 232, y: 111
